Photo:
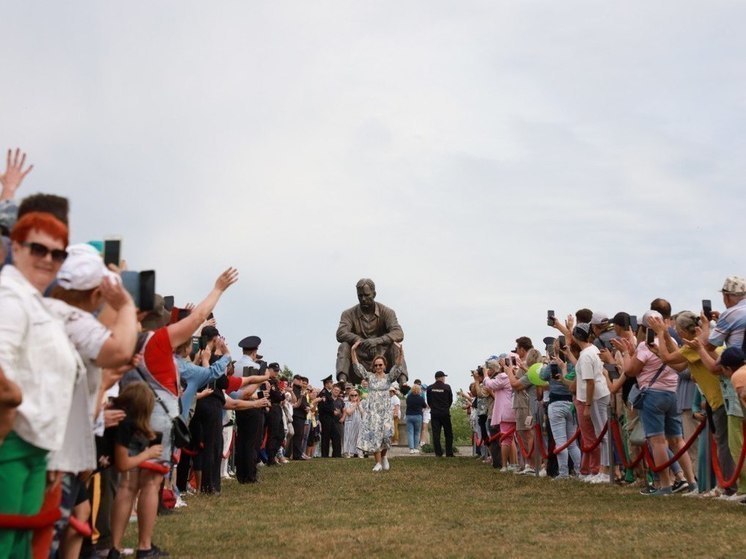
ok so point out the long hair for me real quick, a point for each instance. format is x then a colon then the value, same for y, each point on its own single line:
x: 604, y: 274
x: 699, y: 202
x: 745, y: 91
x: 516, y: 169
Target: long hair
x: 137, y: 401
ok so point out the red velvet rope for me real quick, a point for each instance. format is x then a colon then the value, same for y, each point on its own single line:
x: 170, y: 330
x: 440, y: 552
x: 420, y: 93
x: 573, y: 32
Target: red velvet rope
x: 597, y: 442
x: 558, y: 449
x: 82, y: 528
x: 42, y: 519
x: 523, y: 448
x: 617, y: 437
x: 716, y: 465
x: 155, y: 467
x: 680, y: 453
x: 543, y: 451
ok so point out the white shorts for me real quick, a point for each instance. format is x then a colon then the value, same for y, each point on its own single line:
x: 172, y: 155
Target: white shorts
x: 425, y: 416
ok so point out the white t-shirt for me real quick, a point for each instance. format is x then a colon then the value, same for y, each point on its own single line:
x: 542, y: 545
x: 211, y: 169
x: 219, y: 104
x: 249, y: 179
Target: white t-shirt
x: 396, y: 405
x: 590, y: 367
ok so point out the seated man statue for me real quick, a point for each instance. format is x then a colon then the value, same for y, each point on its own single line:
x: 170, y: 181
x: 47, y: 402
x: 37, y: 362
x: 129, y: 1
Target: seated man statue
x: 373, y: 323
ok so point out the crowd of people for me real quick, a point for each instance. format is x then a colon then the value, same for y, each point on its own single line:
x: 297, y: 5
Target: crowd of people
x: 116, y: 404
x: 610, y: 400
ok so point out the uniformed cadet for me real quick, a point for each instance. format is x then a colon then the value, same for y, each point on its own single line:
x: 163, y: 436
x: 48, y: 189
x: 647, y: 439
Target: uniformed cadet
x: 326, y: 415
x: 440, y: 398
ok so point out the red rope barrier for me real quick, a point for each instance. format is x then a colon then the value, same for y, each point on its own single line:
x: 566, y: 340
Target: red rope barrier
x: 155, y: 467
x: 597, y: 442
x: 680, y: 453
x: 617, y: 437
x: 543, y: 451
x: 716, y: 465
x: 82, y: 528
x: 558, y: 449
x: 523, y: 448
x: 42, y: 519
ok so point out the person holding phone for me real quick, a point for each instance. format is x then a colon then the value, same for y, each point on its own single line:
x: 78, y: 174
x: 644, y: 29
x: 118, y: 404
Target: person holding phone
x: 561, y: 378
x: 659, y: 412
x: 524, y: 402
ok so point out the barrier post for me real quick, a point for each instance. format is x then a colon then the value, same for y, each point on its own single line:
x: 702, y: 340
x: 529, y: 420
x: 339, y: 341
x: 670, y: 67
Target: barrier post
x: 610, y: 443
x: 537, y: 443
x: 708, y: 461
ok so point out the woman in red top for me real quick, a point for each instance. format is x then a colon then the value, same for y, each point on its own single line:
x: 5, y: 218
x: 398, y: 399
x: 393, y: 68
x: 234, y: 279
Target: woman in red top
x: 159, y: 370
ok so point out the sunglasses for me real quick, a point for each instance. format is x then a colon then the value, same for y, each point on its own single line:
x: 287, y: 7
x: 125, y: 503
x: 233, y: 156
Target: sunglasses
x: 379, y: 365
x: 40, y: 251
x: 353, y: 395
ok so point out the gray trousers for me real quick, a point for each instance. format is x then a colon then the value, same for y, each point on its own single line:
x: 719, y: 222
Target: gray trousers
x: 563, y: 427
x: 599, y: 416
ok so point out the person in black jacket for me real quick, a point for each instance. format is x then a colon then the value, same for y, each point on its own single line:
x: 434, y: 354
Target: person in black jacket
x: 440, y: 398
x: 326, y: 415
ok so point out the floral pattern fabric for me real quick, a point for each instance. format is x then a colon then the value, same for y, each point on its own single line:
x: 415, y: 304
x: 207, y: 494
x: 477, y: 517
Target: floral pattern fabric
x: 377, y: 426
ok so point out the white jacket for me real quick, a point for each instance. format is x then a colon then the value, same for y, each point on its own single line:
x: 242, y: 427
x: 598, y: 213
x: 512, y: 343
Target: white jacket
x: 36, y: 354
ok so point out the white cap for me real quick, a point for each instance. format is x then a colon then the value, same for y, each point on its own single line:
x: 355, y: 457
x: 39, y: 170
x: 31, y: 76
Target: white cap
x: 83, y: 268
x: 646, y: 317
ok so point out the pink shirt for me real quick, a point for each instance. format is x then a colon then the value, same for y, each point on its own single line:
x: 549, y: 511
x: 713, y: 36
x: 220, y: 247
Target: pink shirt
x: 500, y: 387
x: 668, y: 379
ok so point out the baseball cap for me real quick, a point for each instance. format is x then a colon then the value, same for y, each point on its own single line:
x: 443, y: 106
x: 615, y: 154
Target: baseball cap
x: 733, y: 358
x: 648, y: 315
x: 735, y: 285
x: 599, y: 318
x: 583, y: 327
x: 83, y: 268
x: 440, y: 374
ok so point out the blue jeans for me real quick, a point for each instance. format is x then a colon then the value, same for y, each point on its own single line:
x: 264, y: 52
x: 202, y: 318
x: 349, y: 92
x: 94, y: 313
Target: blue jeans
x: 563, y: 427
x: 660, y: 414
x: 414, y: 429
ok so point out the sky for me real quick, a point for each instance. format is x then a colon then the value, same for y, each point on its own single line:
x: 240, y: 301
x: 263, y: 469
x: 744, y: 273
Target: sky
x: 481, y: 161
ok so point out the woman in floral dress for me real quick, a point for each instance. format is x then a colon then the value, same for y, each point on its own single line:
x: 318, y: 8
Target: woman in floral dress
x: 378, y: 426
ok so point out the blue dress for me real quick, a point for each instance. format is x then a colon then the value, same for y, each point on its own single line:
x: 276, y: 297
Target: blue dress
x: 378, y: 422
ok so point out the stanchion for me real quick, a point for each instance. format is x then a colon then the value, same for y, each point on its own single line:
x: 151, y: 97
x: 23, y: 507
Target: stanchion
x: 610, y: 445
x: 537, y: 435
x: 708, y: 464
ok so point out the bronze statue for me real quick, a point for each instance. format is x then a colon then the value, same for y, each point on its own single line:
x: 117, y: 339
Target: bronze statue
x: 377, y: 328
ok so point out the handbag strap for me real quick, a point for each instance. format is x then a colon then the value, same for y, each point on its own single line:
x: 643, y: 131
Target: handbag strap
x: 155, y: 394
x: 657, y: 374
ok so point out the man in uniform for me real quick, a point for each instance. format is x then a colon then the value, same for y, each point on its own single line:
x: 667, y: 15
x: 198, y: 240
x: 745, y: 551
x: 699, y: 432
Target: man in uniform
x: 338, y: 405
x: 326, y: 415
x: 249, y: 423
x: 440, y: 398
x: 373, y: 323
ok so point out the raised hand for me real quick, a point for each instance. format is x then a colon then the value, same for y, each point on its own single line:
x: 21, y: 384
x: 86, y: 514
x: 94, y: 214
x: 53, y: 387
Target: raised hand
x: 14, y: 173
x: 226, y: 279
x: 115, y: 294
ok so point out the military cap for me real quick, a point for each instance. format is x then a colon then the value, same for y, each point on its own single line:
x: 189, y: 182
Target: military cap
x: 327, y: 379
x: 250, y: 342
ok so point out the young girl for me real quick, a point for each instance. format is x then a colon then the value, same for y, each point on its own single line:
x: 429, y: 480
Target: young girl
x: 136, y: 444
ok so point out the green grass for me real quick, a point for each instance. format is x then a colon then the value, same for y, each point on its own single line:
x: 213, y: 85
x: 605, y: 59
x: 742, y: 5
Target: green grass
x: 430, y: 507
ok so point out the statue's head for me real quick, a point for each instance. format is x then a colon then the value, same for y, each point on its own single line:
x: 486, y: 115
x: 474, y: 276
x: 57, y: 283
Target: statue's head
x: 366, y: 293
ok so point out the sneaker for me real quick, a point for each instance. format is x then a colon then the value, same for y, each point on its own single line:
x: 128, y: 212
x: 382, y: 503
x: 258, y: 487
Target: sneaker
x: 712, y: 493
x: 154, y: 551
x: 600, y: 478
x: 179, y: 503
x: 385, y: 463
x: 527, y: 471
x: 734, y: 498
x: 543, y: 472
x: 377, y: 467
x: 114, y: 553
x: 679, y: 486
x: 651, y: 491
x: 504, y: 469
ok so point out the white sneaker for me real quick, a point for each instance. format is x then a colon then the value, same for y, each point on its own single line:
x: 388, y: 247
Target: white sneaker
x: 411, y: 451
x: 527, y: 472
x: 600, y: 478
x: 385, y: 463
x: 504, y: 469
x: 179, y: 503
x: 377, y: 467
x: 543, y: 472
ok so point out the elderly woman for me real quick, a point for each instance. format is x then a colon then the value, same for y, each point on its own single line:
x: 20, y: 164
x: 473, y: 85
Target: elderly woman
x: 35, y: 354
x: 378, y: 426
x: 503, y: 416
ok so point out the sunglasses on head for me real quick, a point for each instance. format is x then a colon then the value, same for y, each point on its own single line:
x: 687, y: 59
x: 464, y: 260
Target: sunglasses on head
x: 40, y: 251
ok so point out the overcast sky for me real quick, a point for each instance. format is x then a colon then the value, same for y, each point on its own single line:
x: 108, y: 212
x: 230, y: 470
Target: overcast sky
x: 481, y: 161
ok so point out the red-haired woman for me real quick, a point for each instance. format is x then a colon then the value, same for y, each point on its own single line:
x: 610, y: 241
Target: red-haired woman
x: 36, y: 354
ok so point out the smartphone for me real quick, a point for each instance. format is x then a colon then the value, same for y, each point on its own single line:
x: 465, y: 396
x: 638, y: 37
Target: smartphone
x: 550, y: 318
x: 514, y: 361
x: 141, y: 286
x: 650, y: 340
x: 157, y: 440
x: 562, y: 342
x: 182, y: 314
x: 554, y: 370
x: 633, y: 323
x: 707, y: 308
x: 609, y: 346
x: 168, y: 302
x: 112, y: 251
x: 195, y: 344
x: 260, y: 394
